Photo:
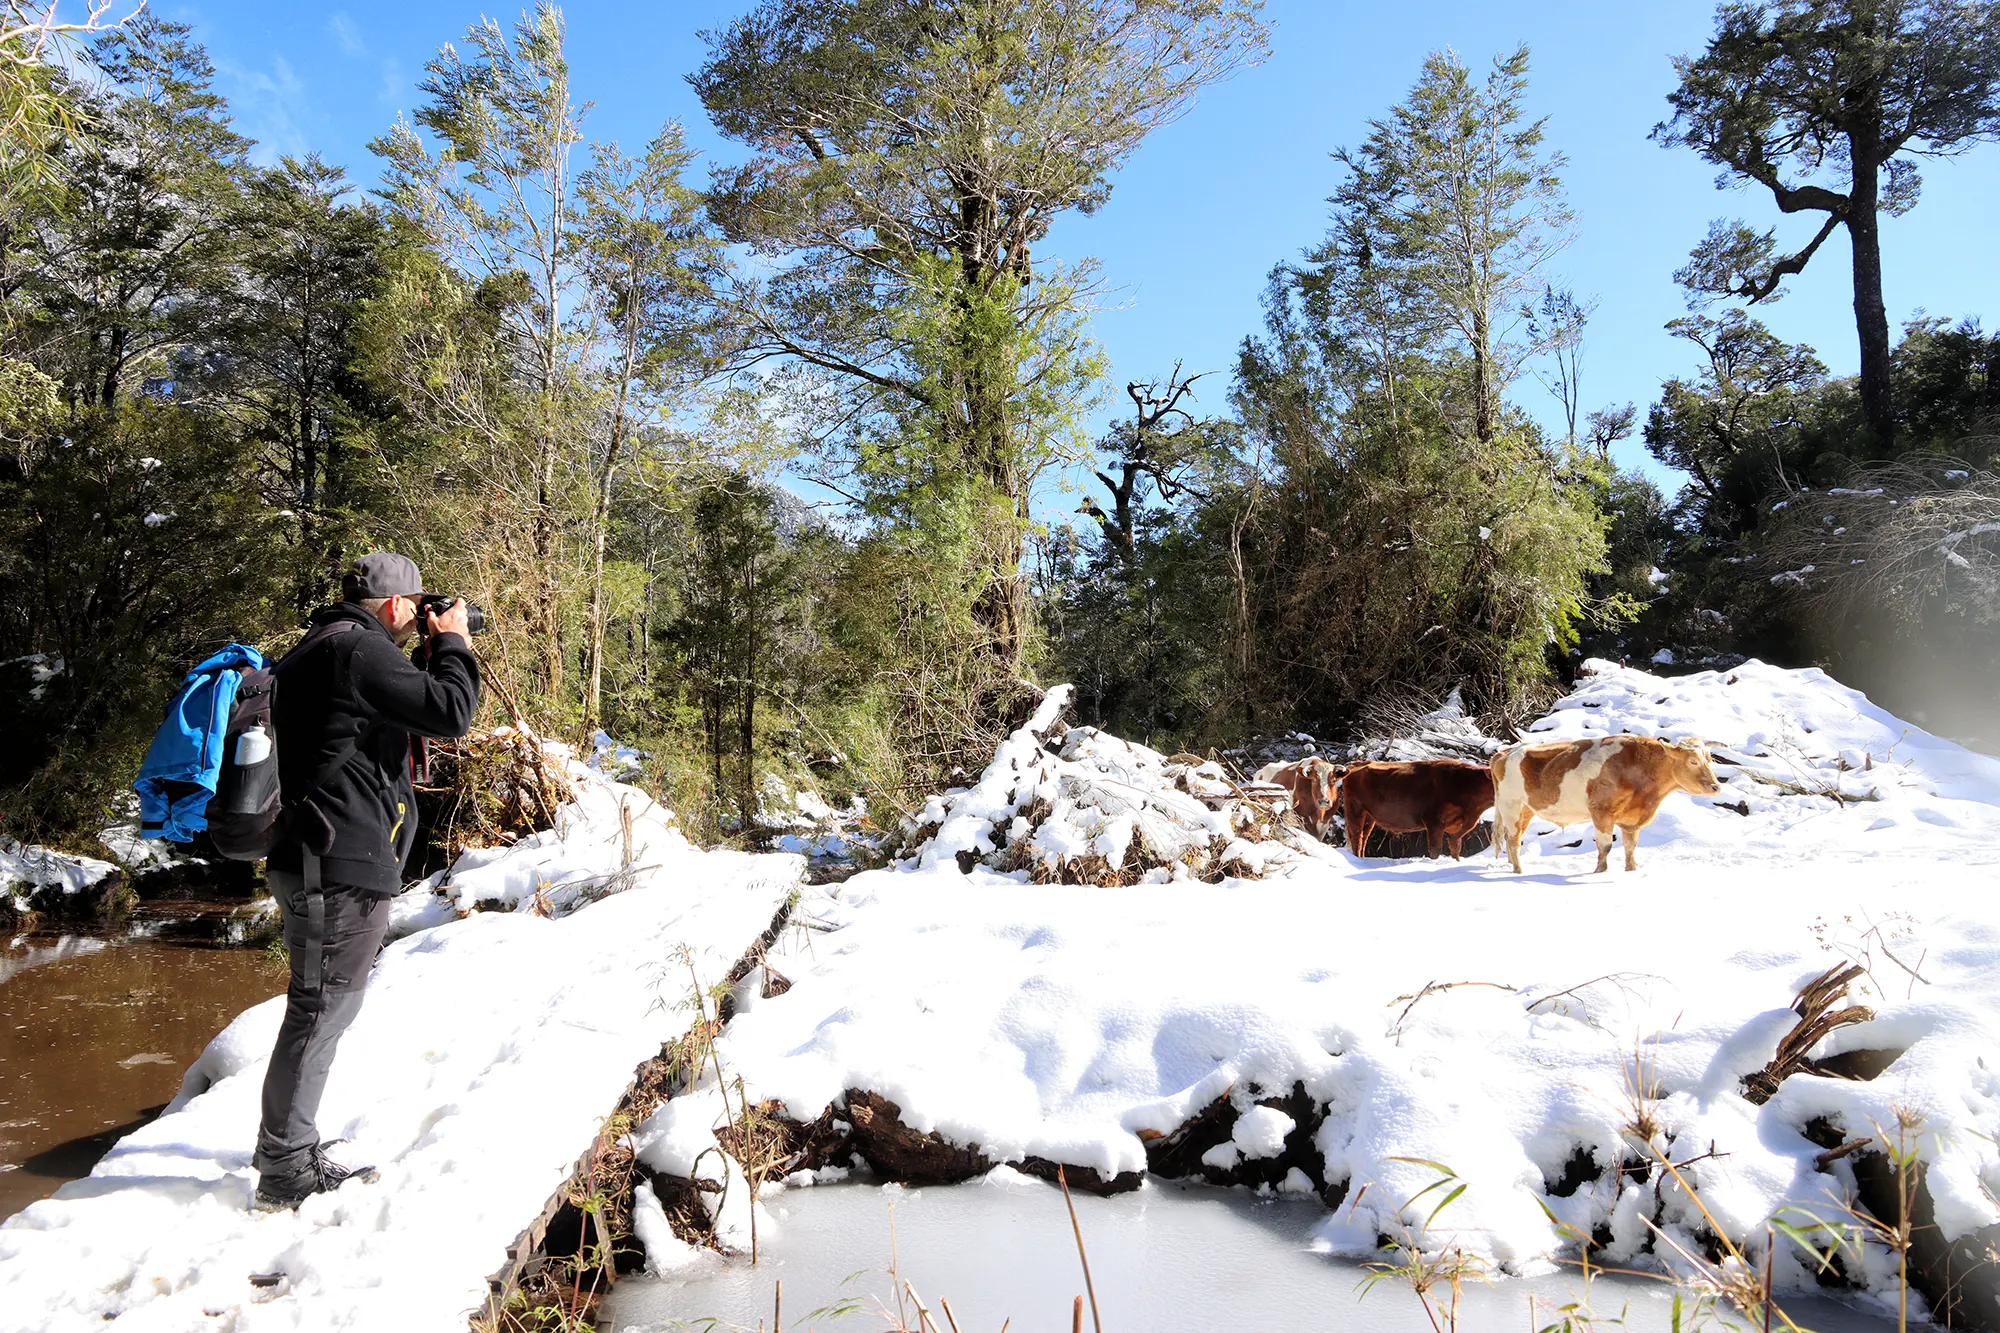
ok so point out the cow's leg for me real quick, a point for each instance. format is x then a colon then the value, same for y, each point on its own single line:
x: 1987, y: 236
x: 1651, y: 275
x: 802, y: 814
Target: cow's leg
x: 1433, y: 840
x: 1603, y: 825
x: 1629, y: 834
x: 1515, y: 834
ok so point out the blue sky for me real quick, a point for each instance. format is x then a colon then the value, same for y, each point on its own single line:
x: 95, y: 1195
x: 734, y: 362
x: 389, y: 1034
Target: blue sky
x: 1209, y: 204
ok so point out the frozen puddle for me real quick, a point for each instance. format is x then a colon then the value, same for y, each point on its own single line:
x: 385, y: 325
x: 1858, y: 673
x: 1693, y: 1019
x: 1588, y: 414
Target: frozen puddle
x: 1171, y: 1256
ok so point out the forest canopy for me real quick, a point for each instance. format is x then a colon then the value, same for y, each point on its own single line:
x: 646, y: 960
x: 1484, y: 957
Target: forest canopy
x: 608, y: 391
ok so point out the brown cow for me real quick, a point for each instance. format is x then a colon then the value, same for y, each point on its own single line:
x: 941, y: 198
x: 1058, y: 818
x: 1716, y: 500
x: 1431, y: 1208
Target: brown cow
x: 1440, y: 798
x: 1616, y: 782
x: 1311, y: 783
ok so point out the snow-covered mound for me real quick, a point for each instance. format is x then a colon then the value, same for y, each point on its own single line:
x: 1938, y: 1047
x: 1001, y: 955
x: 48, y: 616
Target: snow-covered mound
x: 1346, y: 1024
x: 1533, y: 1034
x: 487, y: 1054
x: 1808, y: 765
x: 1079, y: 805
x: 39, y: 879
x: 1799, y: 730
x: 603, y: 841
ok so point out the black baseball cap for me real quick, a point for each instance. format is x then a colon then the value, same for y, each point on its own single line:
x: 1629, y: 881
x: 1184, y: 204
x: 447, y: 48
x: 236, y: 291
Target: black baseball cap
x: 381, y: 574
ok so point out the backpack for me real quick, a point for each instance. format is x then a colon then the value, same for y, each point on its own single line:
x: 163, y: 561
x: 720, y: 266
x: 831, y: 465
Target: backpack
x: 213, y: 763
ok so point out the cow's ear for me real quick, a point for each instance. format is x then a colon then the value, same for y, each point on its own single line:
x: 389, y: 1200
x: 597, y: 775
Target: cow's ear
x: 1695, y: 743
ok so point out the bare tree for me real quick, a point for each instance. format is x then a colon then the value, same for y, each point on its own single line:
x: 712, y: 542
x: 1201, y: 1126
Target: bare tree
x: 1152, y: 447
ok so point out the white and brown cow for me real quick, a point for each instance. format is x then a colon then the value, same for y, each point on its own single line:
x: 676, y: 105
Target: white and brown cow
x: 1616, y: 782
x: 1312, y: 785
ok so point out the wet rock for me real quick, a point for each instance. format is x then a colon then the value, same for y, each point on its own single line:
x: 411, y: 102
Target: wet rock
x: 1861, y: 1065
x: 1086, y: 1178
x: 1179, y: 1153
x: 898, y: 1152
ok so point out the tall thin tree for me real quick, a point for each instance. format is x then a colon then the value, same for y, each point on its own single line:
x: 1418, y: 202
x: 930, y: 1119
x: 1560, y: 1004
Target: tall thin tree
x: 496, y: 198
x: 1828, y: 104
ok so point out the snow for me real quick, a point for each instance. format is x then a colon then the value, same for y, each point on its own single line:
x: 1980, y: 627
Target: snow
x: 1948, y: 548
x: 488, y: 1051
x: 1069, y: 1022
x: 42, y: 669
x: 28, y: 871
x: 130, y: 850
x: 619, y: 762
x: 1087, y: 803
x: 1073, y: 1021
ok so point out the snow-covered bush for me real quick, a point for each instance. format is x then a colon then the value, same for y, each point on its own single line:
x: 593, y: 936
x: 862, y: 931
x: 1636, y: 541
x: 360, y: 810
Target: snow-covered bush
x: 38, y: 881
x: 1080, y: 806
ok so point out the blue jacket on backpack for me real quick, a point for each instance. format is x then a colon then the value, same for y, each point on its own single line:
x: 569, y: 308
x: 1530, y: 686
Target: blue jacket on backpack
x: 178, y: 778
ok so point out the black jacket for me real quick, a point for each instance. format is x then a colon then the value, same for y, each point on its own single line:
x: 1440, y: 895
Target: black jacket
x: 355, y: 687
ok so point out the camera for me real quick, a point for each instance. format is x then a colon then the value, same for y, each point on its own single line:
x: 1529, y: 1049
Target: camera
x: 436, y: 603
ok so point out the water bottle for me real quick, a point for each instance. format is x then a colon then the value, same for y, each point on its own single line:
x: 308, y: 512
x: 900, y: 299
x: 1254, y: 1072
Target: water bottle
x: 253, y: 747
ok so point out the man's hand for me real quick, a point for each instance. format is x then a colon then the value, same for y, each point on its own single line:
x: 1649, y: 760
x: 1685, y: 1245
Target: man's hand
x: 453, y: 621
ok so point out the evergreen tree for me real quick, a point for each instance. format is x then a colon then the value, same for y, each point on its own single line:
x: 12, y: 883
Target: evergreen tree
x: 1827, y: 104
x: 278, y: 355
x: 131, y: 267
x: 908, y: 159
x: 496, y: 199
x: 1414, y: 533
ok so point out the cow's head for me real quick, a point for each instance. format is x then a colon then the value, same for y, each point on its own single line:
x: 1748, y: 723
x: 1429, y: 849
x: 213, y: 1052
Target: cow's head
x: 1321, y: 781
x: 1696, y: 774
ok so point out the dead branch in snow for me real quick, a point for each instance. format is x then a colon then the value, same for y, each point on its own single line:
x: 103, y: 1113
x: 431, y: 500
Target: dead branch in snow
x: 1433, y: 988
x: 1817, y: 1018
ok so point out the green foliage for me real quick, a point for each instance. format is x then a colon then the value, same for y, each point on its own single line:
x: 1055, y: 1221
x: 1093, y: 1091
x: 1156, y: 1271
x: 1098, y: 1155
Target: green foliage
x: 1829, y: 107
x: 130, y: 548
x: 1728, y: 427
x: 1404, y: 531
x: 127, y: 270
x: 1786, y: 545
x: 907, y: 160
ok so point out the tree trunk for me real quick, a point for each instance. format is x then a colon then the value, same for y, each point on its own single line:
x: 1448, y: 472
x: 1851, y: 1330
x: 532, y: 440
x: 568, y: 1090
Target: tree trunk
x: 1871, y: 316
x: 600, y: 521
x: 747, y: 687
x: 1482, y: 377
x: 1001, y: 608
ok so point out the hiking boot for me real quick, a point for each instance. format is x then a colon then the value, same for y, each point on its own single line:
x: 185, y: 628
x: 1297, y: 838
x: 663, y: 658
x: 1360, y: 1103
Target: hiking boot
x: 319, y: 1177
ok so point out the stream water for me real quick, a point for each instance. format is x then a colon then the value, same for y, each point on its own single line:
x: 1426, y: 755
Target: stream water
x: 95, y: 1032
x: 1169, y: 1257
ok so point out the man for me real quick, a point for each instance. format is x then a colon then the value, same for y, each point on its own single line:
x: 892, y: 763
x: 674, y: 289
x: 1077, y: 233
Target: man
x: 347, y: 710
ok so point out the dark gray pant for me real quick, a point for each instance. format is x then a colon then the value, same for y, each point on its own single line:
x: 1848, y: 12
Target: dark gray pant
x: 318, y: 1009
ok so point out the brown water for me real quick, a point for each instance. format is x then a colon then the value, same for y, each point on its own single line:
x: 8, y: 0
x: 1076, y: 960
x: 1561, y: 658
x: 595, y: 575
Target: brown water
x: 94, y: 1036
